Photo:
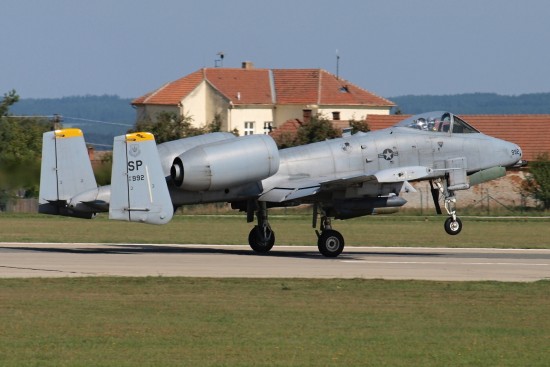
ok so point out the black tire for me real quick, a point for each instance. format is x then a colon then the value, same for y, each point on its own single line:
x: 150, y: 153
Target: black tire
x: 453, y: 227
x: 260, y: 243
x: 330, y: 243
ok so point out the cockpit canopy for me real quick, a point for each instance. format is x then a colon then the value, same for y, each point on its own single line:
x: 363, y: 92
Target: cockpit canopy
x: 439, y: 121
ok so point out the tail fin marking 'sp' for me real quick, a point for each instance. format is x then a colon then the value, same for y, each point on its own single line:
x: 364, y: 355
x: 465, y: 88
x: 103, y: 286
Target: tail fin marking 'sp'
x: 139, y: 192
x: 66, y: 169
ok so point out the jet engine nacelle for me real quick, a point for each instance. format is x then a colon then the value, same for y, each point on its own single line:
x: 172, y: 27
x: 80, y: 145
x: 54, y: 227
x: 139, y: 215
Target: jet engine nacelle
x: 226, y: 164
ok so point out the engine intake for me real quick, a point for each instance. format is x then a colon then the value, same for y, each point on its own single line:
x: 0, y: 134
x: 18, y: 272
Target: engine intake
x: 226, y: 164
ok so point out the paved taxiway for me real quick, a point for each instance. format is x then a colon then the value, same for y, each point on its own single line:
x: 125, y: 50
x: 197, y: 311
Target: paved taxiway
x: 78, y: 259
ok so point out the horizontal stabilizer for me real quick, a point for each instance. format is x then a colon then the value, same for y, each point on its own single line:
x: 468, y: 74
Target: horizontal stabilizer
x: 139, y: 192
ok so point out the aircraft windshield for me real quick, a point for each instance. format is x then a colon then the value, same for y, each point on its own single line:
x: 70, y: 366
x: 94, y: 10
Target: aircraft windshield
x: 439, y: 121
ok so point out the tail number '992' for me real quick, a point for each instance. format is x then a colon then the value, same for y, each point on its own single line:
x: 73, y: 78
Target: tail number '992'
x: 516, y: 152
x: 136, y: 178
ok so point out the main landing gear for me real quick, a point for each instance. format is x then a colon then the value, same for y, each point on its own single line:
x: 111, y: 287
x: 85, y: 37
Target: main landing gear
x: 453, y: 224
x: 262, y: 238
x: 329, y: 242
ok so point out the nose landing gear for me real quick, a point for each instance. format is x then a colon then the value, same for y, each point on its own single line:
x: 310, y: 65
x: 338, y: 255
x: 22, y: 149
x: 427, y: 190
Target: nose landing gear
x: 453, y: 224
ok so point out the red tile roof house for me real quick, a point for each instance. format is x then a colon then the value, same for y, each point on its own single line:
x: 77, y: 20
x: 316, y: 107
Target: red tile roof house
x: 252, y: 100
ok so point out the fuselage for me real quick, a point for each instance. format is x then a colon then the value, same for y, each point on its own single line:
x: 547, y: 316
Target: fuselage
x: 437, y: 146
x: 371, y: 152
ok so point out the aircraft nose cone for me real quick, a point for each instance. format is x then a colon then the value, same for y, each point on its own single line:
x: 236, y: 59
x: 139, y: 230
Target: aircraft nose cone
x: 515, y: 154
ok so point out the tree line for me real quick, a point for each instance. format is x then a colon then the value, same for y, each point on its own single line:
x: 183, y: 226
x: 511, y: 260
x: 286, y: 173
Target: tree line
x: 475, y: 103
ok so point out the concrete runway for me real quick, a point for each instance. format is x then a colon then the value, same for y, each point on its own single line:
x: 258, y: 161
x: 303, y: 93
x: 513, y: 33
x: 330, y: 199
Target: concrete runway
x: 18, y: 260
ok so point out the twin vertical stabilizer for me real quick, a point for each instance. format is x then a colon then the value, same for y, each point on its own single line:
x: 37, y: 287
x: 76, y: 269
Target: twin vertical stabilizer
x: 65, y: 171
x: 139, y: 192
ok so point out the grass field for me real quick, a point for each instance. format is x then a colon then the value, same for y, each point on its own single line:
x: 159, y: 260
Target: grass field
x: 274, y: 322
x: 504, y: 232
x: 238, y: 322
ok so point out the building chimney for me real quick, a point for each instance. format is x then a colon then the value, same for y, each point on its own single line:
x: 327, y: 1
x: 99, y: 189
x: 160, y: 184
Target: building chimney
x: 248, y: 65
x: 306, y: 116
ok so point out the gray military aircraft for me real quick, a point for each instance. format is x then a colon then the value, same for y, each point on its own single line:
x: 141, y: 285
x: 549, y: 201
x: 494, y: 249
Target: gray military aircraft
x: 342, y: 178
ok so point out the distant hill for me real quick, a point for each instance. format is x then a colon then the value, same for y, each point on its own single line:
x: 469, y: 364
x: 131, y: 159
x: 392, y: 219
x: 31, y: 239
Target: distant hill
x: 100, y: 117
x: 475, y: 103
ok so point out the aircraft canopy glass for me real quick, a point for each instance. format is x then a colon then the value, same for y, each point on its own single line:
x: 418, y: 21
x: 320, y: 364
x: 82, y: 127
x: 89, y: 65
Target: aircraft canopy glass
x: 438, y: 121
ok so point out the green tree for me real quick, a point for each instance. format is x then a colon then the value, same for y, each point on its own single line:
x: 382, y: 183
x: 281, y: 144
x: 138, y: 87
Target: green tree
x: 9, y: 99
x: 285, y: 140
x: 537, y: 183
x: 359, y: 125
x: 319, y: 128
x: 19, y: 151
x: 216, y: 124
x: 102, y: 171
x: 169, y: 126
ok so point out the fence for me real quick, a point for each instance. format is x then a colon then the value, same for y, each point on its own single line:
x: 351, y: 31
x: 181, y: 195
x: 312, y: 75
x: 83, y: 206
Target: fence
x: 21, y: 206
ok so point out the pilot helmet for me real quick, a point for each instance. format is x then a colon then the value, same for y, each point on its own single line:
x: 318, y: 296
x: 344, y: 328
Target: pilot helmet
x: 421, y: 124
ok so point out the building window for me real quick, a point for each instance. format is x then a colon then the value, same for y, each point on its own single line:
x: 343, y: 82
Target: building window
x: 249, y: 128
x: 268, y: 127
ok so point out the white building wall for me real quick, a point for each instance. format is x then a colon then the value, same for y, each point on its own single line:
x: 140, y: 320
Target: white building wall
x: 203, y: 104
x: 352, y: 112
x: 240, y: 115
x: 284, y: 113
x: 194, y: 105
x: 216, y: 103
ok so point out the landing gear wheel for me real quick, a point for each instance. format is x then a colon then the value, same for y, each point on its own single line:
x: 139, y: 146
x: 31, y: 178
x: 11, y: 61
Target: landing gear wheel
x: 453, y: 227
x: 330, y: 243
x: 261, y: 241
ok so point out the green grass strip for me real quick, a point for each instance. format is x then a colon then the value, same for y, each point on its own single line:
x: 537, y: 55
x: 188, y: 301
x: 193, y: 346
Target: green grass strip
x: 272, y: 322
x: 506, y: 232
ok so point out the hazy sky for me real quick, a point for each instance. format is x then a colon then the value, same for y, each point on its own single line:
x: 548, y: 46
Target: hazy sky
x: 59, y: 48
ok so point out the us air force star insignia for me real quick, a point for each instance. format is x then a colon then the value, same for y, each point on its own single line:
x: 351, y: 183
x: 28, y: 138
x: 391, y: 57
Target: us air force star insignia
x: 134, y: 150
x: 388, y: 154
x: 346, y: 147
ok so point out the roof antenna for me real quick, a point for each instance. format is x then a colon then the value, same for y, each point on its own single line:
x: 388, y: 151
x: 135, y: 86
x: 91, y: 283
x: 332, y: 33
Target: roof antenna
x: 337, y: 64
x: 219, y: 62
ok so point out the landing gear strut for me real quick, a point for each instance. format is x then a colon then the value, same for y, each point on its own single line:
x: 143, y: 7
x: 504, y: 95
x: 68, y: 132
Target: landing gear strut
x: 330, y: 242
x: 261, y: 238
x: 453, y: 224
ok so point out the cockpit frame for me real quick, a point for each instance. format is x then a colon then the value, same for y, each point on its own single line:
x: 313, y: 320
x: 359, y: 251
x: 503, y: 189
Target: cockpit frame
x: 438, y: 122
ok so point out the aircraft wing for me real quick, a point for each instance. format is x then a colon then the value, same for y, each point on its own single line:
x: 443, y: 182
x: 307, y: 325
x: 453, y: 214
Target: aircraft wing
x: 293, y: 189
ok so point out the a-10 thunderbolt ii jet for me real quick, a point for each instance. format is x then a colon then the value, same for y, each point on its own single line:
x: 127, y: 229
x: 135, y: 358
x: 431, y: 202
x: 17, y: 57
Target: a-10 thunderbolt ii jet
x: 342, y: 178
